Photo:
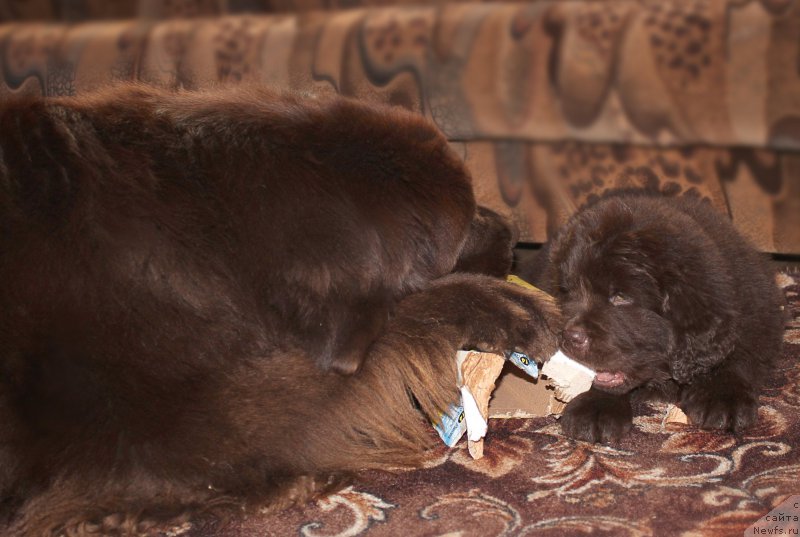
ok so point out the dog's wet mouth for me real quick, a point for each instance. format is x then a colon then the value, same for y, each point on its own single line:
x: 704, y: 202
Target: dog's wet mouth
x: 607, y: 379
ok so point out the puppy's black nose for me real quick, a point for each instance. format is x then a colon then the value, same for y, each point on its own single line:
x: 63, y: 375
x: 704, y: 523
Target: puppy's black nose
x: 575, y: 338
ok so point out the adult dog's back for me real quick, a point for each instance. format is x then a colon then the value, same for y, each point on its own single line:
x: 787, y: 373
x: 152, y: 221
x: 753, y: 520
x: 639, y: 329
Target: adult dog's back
x: 229, y: 297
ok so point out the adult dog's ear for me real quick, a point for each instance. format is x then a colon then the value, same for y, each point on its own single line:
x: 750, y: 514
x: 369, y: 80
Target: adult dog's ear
x: 488, y: 246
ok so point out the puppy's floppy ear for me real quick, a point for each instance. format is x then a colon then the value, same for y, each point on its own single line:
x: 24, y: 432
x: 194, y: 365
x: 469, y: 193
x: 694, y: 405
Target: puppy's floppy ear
x: 703, y: 323
x: 560, y: 244
x: 693, y: 299
x: 546, y: 271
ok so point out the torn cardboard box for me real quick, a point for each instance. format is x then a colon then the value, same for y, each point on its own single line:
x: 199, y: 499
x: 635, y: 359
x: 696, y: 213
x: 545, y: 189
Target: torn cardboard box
x: 490, y: 389
x: 524, y: 395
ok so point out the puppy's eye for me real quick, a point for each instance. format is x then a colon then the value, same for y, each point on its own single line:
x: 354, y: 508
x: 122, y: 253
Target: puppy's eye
x: 620, y: 299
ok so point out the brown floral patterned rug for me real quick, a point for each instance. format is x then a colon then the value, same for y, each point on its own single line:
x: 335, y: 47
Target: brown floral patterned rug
x: 662, y: 480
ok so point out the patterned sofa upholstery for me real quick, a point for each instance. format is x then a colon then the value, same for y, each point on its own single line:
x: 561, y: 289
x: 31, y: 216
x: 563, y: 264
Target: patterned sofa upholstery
x: 549, y: 102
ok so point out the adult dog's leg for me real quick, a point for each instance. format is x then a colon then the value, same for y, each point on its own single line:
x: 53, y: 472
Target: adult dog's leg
x: 326, y: 425
x: 374, y: 420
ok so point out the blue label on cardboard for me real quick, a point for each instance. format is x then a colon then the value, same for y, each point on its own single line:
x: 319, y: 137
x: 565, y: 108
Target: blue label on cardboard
x: 452, y: 425
x: 523, y: 362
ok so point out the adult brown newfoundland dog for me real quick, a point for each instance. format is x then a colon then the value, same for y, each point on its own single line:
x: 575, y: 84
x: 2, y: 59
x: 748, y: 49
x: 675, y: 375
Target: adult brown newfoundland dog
x: 230, y: 298
x: 661, y: 296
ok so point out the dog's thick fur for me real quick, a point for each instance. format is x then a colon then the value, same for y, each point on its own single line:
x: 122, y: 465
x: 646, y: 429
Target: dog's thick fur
x: 230, y: 297
x: 662, y: 297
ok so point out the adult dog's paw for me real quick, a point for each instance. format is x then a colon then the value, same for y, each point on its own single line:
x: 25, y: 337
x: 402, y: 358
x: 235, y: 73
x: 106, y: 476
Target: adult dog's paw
x: 479, y: 312
x: 597, y: 417
x: 713, y: 404
x: 500, y: 317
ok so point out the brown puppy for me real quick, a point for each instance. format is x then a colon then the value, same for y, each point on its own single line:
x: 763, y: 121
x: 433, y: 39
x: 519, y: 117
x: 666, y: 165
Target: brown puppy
x: 230, y: 297
x: 663, y: 295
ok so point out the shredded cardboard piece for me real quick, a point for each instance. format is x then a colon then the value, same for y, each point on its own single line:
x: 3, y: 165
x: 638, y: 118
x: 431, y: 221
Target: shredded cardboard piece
x: 477, y: 375
x: 555, y: 406
x: 569, y: 378
x: 517, y: 395
x: 675, y: 415
x: 479, y: 372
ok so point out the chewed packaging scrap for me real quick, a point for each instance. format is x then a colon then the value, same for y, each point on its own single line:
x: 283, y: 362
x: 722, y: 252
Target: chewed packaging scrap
x: 477, y: 373
x: 453, y: 424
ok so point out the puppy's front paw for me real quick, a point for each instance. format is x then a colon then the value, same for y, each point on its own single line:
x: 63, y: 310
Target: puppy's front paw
x: 597, y: 417
x: 712, y: 404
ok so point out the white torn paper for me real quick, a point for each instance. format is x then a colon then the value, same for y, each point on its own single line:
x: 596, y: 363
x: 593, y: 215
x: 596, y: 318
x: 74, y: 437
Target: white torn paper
x: 476, y: 425
x: 570, y: 377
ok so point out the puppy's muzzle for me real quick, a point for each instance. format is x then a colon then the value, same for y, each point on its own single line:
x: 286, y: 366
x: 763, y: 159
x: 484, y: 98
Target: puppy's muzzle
x: 575, y: 341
